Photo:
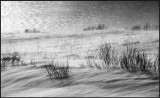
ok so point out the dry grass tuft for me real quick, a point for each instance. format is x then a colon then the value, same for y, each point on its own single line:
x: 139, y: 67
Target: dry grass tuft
x: 57, y: 70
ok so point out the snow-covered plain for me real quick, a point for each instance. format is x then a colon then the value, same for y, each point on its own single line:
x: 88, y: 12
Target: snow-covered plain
x: 41, y: 48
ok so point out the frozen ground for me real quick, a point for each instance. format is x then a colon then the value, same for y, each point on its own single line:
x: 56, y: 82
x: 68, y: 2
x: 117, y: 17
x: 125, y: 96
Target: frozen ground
x: 27, y: 82
x: 34, y: 82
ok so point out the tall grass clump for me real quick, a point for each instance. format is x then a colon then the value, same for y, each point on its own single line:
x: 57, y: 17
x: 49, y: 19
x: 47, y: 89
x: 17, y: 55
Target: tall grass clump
x: 134, y: 60
x: 108, y: 56
x: 59, y: 71
x: 131, y: 59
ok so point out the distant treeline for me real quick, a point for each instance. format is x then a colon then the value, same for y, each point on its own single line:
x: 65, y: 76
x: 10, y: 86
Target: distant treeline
x: 31, y: 31
x: 147, y: 26
x: 97, y: 27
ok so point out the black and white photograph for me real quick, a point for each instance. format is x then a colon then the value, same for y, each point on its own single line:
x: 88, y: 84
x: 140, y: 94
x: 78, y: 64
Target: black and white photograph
x: 80, y: 48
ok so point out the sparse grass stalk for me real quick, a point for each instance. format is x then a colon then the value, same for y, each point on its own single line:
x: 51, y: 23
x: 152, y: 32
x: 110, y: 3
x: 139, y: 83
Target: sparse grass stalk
x: 108, y: 56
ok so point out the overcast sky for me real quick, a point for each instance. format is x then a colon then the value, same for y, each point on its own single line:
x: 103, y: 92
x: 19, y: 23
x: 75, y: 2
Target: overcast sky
x: 54, y: 16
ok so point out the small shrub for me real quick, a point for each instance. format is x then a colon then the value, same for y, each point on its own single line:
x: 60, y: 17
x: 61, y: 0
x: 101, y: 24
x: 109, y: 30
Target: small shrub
x: 57, y: 70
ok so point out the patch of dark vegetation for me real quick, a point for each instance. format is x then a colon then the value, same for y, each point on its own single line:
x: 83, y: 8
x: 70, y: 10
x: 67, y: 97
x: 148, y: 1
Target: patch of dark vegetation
x: 132, y: 60
x: 136, y: 27
x: 145, y: 27
x: 57, y: 71
x: 13, y: 58
x: 107, y: 55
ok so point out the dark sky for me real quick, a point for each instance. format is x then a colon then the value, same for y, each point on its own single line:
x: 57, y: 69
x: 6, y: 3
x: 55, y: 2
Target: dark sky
x: 56, y: 16
x: 121, y: 13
